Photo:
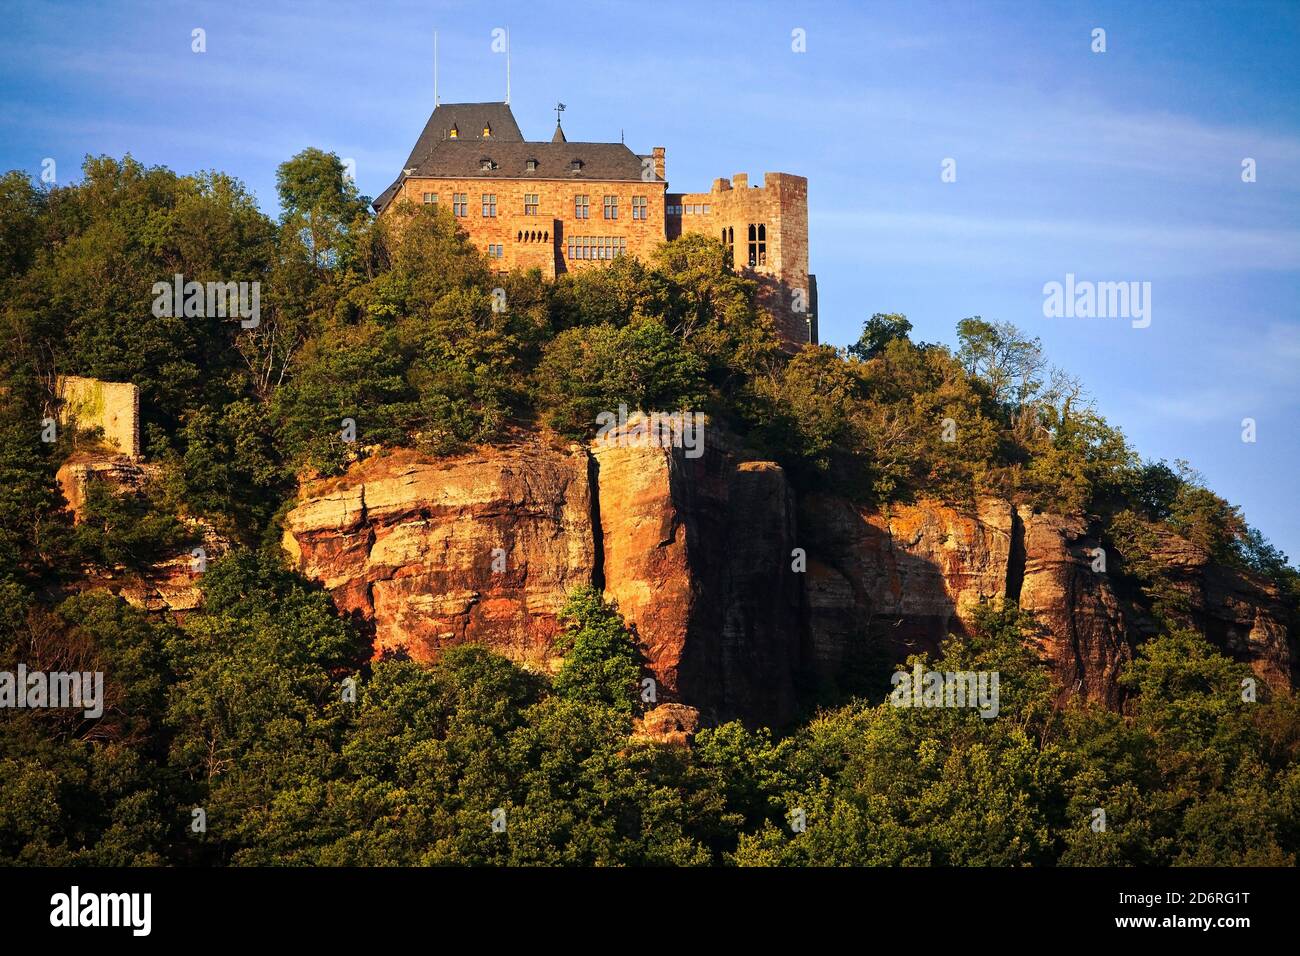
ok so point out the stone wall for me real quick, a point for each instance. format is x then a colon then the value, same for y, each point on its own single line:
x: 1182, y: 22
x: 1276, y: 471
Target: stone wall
x: 516, y: 232
x: 787, y: 291
x: 780, y: 206
x: 112, y: 406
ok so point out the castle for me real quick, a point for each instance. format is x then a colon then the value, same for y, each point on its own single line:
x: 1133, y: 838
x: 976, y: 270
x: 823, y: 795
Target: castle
x: 559, y: 206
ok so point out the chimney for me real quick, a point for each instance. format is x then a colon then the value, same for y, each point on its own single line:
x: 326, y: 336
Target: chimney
x: 658, y: 153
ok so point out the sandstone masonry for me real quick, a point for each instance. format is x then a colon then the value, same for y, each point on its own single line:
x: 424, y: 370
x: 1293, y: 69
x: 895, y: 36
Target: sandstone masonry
x: 559, y: 207
x: 111, y: 406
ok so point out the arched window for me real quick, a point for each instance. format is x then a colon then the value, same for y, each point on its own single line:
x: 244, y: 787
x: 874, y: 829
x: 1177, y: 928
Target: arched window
x: 519, y: 237
x: 757, y: 244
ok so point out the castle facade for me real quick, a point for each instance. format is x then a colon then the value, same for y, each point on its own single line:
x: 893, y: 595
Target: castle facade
x: 559, y: 206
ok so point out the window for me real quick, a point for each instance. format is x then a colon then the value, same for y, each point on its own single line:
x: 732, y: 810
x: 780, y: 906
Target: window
x: 597, y: 247
x: 705, y: 209
x: 530, y: 204
x: 487, y: 131
x: 460, y: 204
x: 757, y: 244
x: 532, y: 165
x: 452, y: 133
x: 486, y: 164
x: 495, y: 251
x: 489, y: 205
x: 430, y: 199
x: 581, y: 207
x: 611, y: 207
x: 639, y: 207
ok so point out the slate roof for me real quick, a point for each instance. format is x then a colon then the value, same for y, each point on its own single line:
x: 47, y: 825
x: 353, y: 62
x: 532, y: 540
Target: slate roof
x: 469, y: 120
x: 438, y: 156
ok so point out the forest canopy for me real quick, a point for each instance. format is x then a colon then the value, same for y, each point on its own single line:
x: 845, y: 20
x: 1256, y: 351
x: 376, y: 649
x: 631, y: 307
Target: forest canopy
x: 397, y: 325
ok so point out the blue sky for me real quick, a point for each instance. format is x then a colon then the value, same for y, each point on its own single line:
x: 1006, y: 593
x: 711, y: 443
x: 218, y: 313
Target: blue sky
x: 1118, y: 166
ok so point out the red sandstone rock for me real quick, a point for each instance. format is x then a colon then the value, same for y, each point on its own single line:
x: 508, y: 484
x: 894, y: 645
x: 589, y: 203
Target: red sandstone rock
x: 169, y: 585
x: 412, y: 546
x: 1085, y: 630
x: 906, y: 579
x: 697, y: 554
x: 667, y: 724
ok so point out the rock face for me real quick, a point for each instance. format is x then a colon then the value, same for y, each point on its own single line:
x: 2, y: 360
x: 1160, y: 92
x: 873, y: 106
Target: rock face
x: 122, y: 472
x: 1084, y: 627
x: 667, y: 724
x: 171, y: 584
x: 1239, y: 612
x: 476, y: 548
x: 697, y: 553
x: 904, y: 580
x: 702, y: 556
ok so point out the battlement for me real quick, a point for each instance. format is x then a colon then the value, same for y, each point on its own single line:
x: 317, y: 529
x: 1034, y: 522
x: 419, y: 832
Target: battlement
x: 765, y: 227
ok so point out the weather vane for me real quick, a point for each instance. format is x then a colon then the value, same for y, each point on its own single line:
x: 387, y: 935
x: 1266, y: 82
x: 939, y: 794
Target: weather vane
x: 559, y: 108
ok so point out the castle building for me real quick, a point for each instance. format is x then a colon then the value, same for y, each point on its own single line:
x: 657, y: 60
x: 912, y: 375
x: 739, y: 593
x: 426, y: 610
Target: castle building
x: 559, y: 206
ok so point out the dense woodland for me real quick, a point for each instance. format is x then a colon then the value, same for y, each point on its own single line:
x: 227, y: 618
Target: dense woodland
x: 238, y: 710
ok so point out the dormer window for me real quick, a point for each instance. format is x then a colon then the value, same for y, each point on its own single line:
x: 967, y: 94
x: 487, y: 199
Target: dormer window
x: 487, y: 131
x: 576, y: 165
x: 532, y: 165
x: 453, y: 132
x: 486, y: 164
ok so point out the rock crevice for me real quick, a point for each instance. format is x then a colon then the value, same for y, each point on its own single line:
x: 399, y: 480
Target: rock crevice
x: 697, y: 552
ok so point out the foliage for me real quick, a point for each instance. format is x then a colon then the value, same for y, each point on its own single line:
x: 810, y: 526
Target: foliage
x: 586, y: 371
x: 266, y: 709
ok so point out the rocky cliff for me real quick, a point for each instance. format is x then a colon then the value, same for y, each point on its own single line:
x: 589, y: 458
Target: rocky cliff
x: 170, y: 584
x: 735, y: 588
x: 478, y: 548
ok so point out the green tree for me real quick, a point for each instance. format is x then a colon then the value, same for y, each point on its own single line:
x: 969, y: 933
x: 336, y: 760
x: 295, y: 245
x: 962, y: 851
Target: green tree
x: 585, y: 371
x: 601, y: 660
x: 877, y: 332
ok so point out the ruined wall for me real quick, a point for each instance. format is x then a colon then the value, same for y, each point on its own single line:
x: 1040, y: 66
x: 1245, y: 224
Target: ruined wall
x: 780, y: 205
x: 112, y: 406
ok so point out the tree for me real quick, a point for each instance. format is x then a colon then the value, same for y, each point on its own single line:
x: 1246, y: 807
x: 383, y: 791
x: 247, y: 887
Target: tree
x: 601, y: 661
x: 319, y: 204
x: 586, y: 371
x: 998, y: 354
x: 877, y: 332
